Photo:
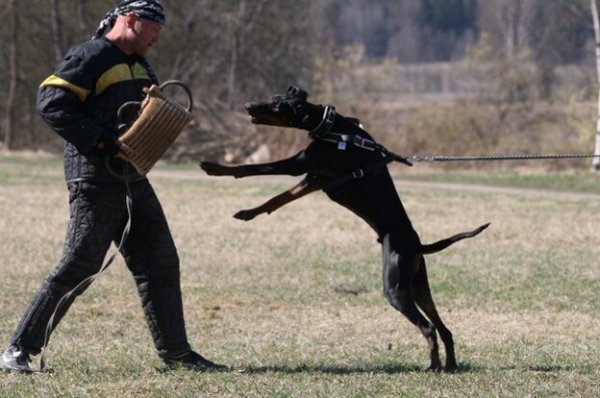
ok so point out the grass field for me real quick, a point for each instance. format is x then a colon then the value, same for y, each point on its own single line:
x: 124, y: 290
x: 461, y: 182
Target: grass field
x: 293, y: 303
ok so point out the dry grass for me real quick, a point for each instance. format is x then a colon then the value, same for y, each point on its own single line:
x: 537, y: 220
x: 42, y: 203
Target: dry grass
x: 294, y: 299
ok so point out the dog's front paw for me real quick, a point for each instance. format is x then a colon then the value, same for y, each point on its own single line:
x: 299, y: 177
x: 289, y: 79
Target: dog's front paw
x: 214, y: 169
x: 245, y: 215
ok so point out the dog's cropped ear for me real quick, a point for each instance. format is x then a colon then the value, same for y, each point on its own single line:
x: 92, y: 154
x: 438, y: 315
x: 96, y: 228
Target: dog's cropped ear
x: 297, y: 93
x: 293, y: 93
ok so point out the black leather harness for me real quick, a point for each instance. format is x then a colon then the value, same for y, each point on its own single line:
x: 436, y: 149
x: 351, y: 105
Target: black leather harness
x: 323, y: 132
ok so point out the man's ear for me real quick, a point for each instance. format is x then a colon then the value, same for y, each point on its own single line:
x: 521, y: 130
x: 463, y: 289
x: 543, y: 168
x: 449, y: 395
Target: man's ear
x: 130, y: 20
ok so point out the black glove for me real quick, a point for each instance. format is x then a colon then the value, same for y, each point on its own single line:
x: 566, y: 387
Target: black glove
x: 108, y: 145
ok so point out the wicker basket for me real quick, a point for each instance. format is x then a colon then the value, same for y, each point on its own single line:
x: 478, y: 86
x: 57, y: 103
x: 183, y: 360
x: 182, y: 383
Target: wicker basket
x: 159, y: 123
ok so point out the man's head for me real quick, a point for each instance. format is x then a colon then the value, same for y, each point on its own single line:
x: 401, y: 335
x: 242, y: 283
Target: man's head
x: 150, y: 10
x: 136, y: 24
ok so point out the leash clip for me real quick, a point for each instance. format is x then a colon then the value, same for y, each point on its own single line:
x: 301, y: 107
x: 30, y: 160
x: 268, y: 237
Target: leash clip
x: 423, y: 158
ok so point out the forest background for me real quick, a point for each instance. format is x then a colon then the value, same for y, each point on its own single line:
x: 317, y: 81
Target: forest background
x: 437, y: 77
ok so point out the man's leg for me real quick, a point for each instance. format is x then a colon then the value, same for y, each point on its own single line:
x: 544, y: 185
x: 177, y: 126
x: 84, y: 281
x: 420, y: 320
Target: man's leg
x: 151, y: 256
x: 94, y: 220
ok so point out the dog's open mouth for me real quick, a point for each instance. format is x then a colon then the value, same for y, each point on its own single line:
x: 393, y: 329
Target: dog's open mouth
x: 266, y: 113
x: 254, y: 111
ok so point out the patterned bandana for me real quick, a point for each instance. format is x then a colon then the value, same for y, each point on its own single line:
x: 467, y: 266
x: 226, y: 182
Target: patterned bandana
x: 146, y: 9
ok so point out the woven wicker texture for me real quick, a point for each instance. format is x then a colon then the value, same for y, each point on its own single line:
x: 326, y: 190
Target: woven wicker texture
x: 160, y: 122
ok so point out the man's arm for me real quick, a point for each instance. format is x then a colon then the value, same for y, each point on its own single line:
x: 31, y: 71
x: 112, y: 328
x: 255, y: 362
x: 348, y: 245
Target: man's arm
x: 59, y: 102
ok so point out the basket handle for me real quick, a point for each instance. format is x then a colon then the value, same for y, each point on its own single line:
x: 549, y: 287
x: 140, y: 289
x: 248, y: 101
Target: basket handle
x: 185, y: 88
x: 121, y: 127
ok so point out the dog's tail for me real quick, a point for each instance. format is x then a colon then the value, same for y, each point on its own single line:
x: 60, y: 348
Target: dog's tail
x: 444, y: 243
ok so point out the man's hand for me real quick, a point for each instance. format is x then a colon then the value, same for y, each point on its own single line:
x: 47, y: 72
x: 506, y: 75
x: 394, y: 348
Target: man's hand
x: 108, y: 145
x: 125, y: 152
x: 112, y: 147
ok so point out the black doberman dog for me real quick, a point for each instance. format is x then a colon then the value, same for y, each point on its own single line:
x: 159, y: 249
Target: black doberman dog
x: 350, y: 167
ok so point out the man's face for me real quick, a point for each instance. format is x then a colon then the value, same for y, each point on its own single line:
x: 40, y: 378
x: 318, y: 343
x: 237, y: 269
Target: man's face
x: 146, y: 34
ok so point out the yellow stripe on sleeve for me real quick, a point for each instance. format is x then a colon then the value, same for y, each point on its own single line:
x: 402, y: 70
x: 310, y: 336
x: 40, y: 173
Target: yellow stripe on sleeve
x: 120, y: 73
x: 116, y: 74
x: 56, y: 81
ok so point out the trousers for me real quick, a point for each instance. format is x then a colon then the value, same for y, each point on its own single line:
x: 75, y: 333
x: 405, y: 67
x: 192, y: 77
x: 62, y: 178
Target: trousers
x: 98, y: 217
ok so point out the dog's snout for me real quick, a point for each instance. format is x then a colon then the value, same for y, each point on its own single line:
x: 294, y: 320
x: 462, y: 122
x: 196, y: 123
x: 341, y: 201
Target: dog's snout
x: 250, y: 105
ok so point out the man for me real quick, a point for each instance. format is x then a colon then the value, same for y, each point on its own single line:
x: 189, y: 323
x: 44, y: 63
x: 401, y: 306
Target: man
x: 80, y: 103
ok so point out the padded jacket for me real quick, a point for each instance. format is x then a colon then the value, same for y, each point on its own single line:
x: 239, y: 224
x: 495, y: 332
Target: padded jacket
x: 80, y: 102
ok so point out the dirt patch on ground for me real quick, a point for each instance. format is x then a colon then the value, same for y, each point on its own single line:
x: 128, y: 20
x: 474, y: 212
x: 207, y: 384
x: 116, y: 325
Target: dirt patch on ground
x: 400, y: 184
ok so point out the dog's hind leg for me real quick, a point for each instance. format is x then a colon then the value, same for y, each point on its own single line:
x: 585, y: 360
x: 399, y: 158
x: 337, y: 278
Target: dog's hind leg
x: 399, y: 270
x: 303, y: 188
x: 422, y: 294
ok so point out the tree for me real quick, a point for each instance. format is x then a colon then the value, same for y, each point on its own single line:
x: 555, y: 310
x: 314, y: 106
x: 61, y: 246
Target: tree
x: 596, y: 161
x: 409, y: 30
x: 449, y: 15
x: 13, y: 68
x: 233, y: 51
x: 56, y: 31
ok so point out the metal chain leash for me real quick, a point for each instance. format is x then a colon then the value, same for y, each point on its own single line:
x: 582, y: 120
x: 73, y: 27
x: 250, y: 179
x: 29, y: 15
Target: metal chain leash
x: 342, y: 139
x: 429, y: 158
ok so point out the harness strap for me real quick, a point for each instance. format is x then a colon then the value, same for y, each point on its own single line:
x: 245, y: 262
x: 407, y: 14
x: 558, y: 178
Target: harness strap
x: 355, y: 140
x: 359, y: 173
x: 342, y: 140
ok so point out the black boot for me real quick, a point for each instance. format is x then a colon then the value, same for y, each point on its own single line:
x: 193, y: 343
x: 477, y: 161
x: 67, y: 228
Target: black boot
x: 194, y: 361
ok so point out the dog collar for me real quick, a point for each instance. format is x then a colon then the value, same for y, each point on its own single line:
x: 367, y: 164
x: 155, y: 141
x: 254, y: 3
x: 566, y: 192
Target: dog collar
x: 326, y: 123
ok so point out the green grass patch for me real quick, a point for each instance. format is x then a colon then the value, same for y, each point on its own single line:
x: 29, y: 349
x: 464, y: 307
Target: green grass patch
x: 572, y: 181
x: 293, y: 303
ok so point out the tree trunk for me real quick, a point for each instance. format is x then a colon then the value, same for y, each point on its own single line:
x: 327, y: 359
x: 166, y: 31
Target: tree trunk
x: 13, y: 75
x: 514, y: 16
x: 82, y: 17
x: 56, y: 31
x: 596, y: 160
x: 233, y: 63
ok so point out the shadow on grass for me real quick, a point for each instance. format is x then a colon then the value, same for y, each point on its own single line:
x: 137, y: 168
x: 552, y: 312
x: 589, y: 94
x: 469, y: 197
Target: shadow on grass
x: 333, y: 370
x: 463, y: 368
x: 347, y: 370
x: 544, y: 369
x: 470, y: 368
